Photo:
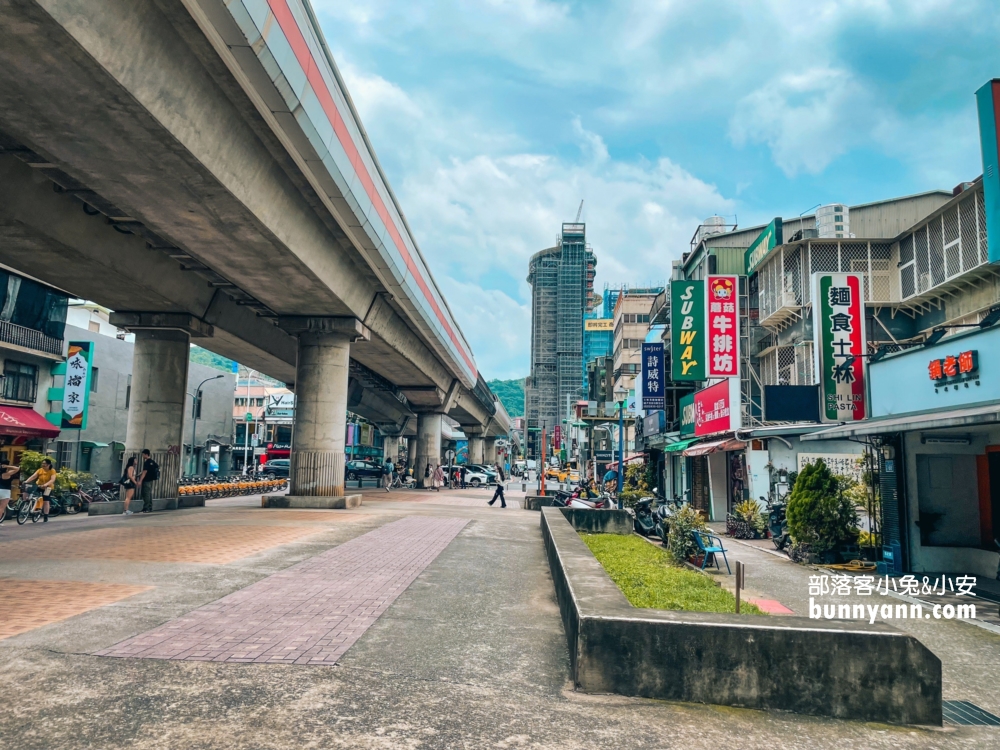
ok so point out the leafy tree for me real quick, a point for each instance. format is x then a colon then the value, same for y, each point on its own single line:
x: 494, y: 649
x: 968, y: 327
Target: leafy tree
x: 511, y: 395
x: 30, y: 462
x: 819, y: 513
x: 635, y: 486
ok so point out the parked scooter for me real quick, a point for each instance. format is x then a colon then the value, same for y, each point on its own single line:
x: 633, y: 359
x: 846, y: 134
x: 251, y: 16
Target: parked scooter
x: 664, y: 513
x: 644, y: 513
x: 777, y: 523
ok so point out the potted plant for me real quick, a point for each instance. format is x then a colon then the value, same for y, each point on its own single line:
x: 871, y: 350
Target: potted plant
x: 679, y: 540
x: 820, y: 516
x: 743, y: 522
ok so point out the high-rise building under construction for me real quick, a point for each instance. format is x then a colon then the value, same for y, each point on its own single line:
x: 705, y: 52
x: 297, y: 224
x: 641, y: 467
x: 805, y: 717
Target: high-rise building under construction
x: 562, y: 290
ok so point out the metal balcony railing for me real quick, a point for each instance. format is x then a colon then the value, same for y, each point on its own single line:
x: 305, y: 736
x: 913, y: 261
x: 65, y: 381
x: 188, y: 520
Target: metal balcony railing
x: 29, y: 338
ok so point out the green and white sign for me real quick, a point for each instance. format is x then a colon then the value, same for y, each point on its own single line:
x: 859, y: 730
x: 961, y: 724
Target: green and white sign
x: 839, y: 330
x: 687, y: 415
x: 770, y: 238
x: 76, y: 390
x: 687, y: 330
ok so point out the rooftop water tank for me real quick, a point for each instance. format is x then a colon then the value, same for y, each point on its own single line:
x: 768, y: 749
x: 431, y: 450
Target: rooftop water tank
x: 833, y: 220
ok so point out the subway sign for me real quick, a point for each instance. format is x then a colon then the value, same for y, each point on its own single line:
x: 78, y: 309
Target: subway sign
x: 771, y: 237
x: 687, y: 330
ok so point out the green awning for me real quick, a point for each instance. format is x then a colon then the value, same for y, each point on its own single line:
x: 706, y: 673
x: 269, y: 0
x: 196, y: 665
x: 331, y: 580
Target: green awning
x: 92, y: 444
x: 679, y: 445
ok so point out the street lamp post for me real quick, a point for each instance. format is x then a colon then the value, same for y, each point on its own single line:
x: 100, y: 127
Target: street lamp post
x: 195, y: 400
x: 621, y: 395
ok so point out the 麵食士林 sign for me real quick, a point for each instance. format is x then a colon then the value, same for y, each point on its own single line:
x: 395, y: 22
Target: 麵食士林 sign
x: 839, y: 332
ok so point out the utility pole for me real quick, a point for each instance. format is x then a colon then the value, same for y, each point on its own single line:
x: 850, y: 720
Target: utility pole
x: 246, y: 424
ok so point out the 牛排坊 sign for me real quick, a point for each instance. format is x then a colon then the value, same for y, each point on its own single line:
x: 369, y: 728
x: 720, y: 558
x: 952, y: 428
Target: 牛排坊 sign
x: 723, y: 323
x: 769, y: 239
x: 839, y: 333
x: 652, y: 377
x: 76, y: 389
x: 687, y: 330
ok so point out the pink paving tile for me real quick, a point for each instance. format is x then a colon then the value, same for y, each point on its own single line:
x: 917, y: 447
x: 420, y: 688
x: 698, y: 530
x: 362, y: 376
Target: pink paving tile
x: 771, y: 606
x: 310, y: 613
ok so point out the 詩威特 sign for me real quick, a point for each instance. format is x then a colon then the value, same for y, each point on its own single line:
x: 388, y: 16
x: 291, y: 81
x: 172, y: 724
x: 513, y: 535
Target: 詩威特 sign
x: 653, y: 379
x: 770, y: 238
x: 599, y: 324
x: 687, y: 415
x: 839, y: 333
x: 722, y: 319
x: 76, y: 389
x: 687, y: 330
x: 717, y: 408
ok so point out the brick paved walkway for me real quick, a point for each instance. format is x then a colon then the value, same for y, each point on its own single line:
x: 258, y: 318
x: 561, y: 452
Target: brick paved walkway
x: 26, y: 605
x: 310, y: 613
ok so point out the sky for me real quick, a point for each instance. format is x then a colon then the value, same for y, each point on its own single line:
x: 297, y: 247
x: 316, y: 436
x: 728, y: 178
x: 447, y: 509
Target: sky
x: 492, y: 121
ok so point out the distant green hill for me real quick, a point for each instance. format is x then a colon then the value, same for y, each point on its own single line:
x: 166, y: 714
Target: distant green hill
x: 211, y: 359
x: 511, y: 395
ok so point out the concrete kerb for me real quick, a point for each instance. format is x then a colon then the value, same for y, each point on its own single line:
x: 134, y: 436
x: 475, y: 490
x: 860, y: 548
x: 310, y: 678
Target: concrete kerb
x: 311, y: 501
x: 117, y: 507
x: 839, y: 669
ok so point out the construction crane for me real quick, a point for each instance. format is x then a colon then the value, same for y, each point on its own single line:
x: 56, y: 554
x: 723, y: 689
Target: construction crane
x: 579, y: 211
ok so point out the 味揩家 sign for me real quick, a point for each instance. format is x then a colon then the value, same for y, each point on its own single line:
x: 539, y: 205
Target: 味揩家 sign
x: 76, y: 390
x: 839, y: 331
x: 723, y: 323
x: 687, y: 330
x: 652, y: 377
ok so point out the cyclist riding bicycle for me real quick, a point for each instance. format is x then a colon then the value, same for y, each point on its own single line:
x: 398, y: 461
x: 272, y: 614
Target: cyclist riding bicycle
x: 45, y: 480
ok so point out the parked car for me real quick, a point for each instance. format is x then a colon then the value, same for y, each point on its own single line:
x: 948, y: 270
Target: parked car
x: 276, y: 468
x: 476, y: 477
x: 363, y: 470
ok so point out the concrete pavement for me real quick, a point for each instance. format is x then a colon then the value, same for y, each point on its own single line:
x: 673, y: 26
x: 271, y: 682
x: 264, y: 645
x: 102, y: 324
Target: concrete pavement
x: 471, y: 654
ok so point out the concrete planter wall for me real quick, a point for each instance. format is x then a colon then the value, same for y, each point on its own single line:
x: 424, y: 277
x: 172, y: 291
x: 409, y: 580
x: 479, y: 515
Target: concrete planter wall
x: 839, y: 669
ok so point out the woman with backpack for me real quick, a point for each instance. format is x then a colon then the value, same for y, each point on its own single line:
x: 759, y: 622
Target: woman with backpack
x: 128, y: 483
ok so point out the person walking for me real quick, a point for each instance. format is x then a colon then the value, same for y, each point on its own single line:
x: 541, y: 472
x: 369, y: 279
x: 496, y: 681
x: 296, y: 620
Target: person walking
x: 387, y: 471
x: 128, y: 483
x: 462, y: 472
x: 45, y: 480
x: 7, y: 474
x: 498, y: 492
x: 438, y: 478
x: 149, y: 474
x: 428, y: 479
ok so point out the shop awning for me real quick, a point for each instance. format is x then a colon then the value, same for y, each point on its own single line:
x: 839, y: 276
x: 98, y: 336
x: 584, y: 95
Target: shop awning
x: 679, y: 445
x: 628, y: 460
x: 92, y: 444
x: 23, y: 422
x: 931, y: 420
x: 703, y: 449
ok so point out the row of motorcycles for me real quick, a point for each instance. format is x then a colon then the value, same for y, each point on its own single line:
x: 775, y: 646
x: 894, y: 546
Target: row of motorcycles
x: 584, y: 496
x: 651, y: 517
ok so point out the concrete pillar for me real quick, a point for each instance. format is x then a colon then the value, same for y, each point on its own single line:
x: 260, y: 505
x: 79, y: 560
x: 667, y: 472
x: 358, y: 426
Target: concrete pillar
x: 156, y: 406
x: 490, y: 450
x: 322, y: 366
x: 390, y: 448
x: 428, y: 450
x: 476, y: 455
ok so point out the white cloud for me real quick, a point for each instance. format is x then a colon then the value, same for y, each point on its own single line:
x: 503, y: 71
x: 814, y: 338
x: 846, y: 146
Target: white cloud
x: 807, y: 119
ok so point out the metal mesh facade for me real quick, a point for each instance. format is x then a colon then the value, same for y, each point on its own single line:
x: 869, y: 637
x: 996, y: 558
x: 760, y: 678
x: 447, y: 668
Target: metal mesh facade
x: 947, y: 246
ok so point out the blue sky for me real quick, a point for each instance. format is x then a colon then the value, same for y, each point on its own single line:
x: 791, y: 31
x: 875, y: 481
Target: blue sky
x: 494, y: 119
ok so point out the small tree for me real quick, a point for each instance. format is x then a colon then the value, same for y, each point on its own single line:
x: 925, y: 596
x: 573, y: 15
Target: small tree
x: 30, y: 462
x: 819, y: 513
x: 634, y: 488
x: 679, y: 539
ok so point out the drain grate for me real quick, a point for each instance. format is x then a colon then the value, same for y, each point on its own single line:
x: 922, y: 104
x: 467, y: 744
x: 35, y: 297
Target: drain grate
x: 968, y: 714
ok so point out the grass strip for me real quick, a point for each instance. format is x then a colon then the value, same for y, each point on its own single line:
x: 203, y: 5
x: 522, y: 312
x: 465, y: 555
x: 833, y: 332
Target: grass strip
x: 650, y: 578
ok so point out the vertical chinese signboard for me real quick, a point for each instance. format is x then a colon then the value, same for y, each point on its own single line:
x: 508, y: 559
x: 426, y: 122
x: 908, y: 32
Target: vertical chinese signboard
x: 839, y: 329
x: 988, y: 105
x: 723, y: 323
x: 687, y: 330
x: 76, y: 391
x: 652, y: 377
